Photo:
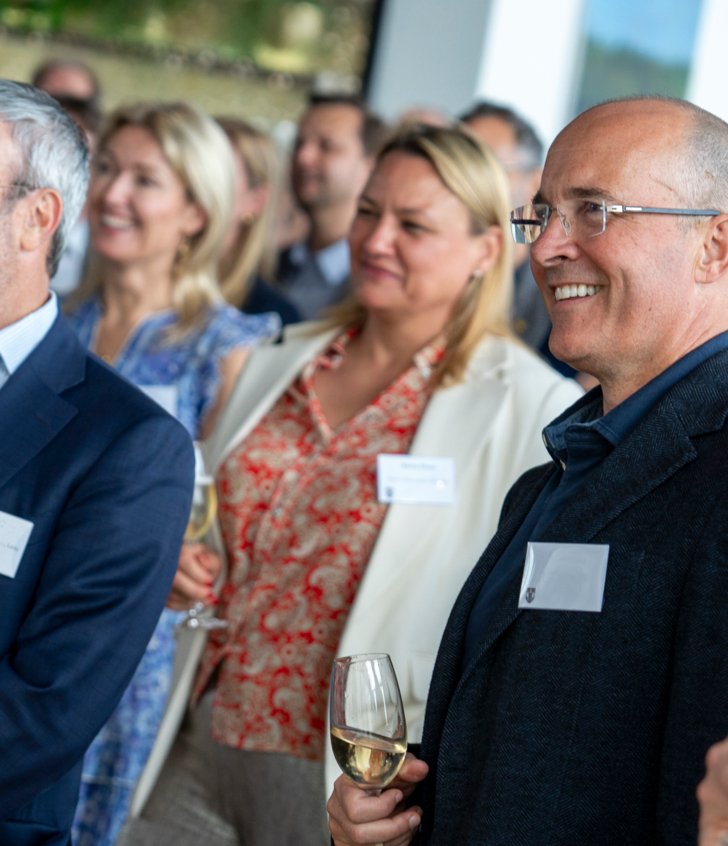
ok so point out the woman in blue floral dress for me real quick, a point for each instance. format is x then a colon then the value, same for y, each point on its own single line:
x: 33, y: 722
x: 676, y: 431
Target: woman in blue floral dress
x: 158, y: 209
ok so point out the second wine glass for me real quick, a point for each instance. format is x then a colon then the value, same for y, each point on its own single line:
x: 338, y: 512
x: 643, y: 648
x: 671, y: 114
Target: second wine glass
x: 202, y: 516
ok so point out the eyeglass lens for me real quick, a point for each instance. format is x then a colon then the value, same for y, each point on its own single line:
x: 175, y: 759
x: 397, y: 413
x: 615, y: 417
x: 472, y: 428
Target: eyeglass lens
x: 580, y: 218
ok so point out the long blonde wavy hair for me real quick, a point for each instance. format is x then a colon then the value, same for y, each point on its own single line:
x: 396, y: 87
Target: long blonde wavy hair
x: 199, y: 153
x: 254, y: 249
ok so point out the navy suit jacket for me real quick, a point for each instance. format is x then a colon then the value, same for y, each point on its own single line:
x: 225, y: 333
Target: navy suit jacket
x: 591, y: 728
x: 105, y: 476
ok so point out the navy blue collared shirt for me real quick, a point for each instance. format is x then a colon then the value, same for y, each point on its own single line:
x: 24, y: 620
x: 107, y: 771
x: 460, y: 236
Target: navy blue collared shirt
x: 578, y: 440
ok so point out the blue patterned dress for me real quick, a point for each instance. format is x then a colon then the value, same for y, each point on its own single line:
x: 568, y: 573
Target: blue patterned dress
x: 184, y: 372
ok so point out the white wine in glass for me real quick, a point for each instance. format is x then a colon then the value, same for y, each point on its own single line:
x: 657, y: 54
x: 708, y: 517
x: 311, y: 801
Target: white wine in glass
x: 202, y: 516
x: 368, y: 730
x: 204, y: 508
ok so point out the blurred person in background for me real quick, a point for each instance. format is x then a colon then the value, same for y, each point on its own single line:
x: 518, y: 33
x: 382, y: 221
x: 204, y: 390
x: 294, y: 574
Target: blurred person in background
x: 65, y: 77
x: 331, y: 160
x: 72, y: 264
x: 419, y: 113
x: 419, y: 362
x: 520, y: 151
x: 249, y: 257
x: 76, y: 87
x: 159, y: 207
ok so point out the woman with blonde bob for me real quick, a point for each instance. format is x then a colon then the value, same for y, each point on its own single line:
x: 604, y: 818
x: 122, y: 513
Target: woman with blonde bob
x: 250, y: 255
x: 360, y: 468
x: 159, y: 205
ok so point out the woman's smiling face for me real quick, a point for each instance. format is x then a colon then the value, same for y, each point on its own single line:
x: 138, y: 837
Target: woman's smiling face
x: 138, y: 210
x: 412, y: 245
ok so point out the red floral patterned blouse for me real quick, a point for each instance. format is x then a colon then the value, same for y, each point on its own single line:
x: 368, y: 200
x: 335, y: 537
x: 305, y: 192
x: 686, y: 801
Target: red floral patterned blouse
x: 299, y: 517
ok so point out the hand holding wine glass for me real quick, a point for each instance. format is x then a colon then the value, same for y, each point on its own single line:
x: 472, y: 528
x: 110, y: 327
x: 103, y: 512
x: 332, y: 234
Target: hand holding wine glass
x: 368, y: 730
x: 369, y: 741
x: 202, y: 516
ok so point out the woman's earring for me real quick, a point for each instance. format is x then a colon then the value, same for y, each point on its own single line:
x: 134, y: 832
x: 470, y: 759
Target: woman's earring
x: 183, y: 253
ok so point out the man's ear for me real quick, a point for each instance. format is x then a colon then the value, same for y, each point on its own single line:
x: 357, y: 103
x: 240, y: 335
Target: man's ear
x: 43, y: 210
x: 712, y: 262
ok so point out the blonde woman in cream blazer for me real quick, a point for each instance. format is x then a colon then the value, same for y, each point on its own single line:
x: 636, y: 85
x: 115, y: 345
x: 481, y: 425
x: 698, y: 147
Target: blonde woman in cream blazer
x: 489, y: 424
x: 431, y: 268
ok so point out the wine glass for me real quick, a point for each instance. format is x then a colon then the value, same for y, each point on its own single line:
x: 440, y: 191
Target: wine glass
x: 202, y: 516
x: 368, y: 730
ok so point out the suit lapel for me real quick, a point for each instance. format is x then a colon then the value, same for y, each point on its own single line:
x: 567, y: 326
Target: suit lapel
x: 626, y: 476
x: 479, y: 398
x: 656, y: 449
x: 32, y: 411
x: 266, y: 376
x: 459, y: 402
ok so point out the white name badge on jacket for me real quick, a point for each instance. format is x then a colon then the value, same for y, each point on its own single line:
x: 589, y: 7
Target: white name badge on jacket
x: 164, y: 395
x: 564, y: 576
x: 415, y: 479
x: 14, y: 536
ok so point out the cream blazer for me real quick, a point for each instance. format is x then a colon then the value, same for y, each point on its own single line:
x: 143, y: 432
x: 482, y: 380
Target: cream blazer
x: 489, y: 424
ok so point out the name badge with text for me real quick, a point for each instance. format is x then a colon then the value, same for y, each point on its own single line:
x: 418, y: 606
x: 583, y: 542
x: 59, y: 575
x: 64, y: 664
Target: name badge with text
x: 415, y: 480
x: 14, y: 536
x: 564, y: 576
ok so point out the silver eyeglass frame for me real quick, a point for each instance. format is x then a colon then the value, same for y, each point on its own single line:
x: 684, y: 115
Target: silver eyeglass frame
x: 518, y: 219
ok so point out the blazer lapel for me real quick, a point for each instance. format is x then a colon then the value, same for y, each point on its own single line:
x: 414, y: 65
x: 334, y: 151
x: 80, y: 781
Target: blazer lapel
x: 32, y: 411
x: 263, y: 380
x: 624, y: 477
x: 657, y: 448
x: 480, y: 398
x: 459, y: 403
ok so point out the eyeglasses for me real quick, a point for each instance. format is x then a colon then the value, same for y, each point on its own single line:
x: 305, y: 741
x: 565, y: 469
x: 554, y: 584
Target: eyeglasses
x: 582, y: 218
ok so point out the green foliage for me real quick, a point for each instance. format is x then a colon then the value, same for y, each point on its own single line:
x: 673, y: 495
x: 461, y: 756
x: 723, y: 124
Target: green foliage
x: 232, y: 30
x: 612, y: 73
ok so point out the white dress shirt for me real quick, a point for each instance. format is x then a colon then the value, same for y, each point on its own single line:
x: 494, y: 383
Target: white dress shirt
x: 19, y: 339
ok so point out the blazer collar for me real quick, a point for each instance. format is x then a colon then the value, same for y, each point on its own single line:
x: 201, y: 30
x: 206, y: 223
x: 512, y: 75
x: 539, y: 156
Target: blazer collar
x: 266, y: 376
x: 32, y: 410
x: 659, y: 446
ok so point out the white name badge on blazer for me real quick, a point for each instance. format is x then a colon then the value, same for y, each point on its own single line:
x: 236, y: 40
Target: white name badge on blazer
x: 415, y: 480
x: 564, y: 576
x: 164, y: 395
x: 14, y: 536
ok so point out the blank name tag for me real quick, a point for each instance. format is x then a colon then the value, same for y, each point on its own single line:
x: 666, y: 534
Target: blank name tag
x: 415, y: 479
x: 14, y: 536
x: 564, y: 576
x: 164, y: 395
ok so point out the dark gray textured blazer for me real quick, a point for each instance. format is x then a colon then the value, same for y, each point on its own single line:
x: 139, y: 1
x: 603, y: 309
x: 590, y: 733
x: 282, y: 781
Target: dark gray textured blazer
x: 582, y: 728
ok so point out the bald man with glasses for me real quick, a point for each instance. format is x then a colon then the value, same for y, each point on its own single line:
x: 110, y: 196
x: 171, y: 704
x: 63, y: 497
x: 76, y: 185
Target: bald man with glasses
x: 583, y: 673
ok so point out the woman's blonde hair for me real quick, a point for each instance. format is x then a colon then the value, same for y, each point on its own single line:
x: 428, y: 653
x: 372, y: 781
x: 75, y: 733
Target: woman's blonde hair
x: 254, y: 249
x: 199, y: 153
x: 471, y: 172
